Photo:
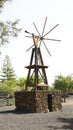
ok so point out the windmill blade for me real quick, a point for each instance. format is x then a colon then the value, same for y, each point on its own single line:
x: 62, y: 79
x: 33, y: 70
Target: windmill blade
x: 36, y: 29
x: 51, y: 30
x: 28, y: 32
x: 29, y: 48
x: 34, y: 35
x: 29, y: 36
x: 44, y: 26
x: 46, y: 48
x: 51, y: 39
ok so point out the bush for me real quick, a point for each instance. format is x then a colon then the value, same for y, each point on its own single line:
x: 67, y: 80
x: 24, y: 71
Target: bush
x: 9, y: 103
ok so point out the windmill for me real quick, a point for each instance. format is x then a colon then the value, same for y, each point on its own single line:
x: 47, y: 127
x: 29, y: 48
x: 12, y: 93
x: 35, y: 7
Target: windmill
x: 38, y: 65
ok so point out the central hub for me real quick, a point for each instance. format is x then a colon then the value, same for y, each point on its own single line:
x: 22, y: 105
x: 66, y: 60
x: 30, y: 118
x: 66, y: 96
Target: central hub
x: 41, y: 38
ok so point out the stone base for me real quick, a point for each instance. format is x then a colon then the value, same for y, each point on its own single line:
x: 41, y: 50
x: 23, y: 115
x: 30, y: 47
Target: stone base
x: 38, y: 101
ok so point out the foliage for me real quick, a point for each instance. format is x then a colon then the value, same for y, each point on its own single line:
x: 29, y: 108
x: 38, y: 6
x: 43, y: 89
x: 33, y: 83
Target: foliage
x: 7, y: 30
x: 31, y: 80
x: 65, y: 84
x: 8, y: 77
x: 9, y: 103
x: 7, y: 70
x: 21, y: 83
x: 7, y: 88
x: 41, y: 88
x: 2, y: 2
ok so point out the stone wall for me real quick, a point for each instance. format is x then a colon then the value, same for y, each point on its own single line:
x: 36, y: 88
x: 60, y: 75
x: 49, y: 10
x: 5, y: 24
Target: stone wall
x: 38, y: 101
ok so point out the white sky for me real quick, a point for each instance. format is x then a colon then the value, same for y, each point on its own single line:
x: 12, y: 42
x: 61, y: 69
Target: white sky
x: 58, y: 12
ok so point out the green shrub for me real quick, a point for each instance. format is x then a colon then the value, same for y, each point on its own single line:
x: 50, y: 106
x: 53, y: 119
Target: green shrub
x: 9, y: 103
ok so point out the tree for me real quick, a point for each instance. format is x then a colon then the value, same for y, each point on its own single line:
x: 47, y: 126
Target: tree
x: 8, y: 79
x: 65, y: 84
x: 31, y: 80
x: 7, y: 70
x: 8, y: 28
x: 21, y: 83
x: 69, y: 82
x: 2, y: 2
x: 60, y: 83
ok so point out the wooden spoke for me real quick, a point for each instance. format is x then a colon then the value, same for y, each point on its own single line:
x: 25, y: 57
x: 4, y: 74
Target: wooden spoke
x: 46, y: 48
x: 29, y: 48
x: 51, y: 39
x: 36, y: 29
x: 44, y: 26
x: 29, y: 36
x: 51, y: 30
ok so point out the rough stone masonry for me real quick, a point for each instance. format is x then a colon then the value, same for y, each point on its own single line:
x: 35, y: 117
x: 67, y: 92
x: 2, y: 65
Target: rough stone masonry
x: 38, y: 101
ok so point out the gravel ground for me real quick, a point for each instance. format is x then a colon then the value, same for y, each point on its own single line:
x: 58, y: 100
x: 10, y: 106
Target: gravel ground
x: 61, y: 120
